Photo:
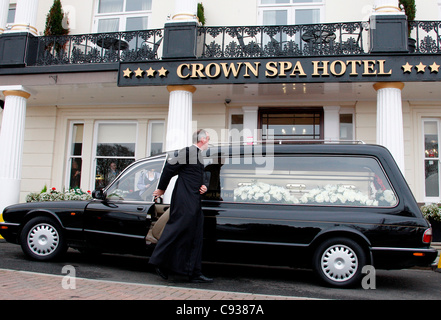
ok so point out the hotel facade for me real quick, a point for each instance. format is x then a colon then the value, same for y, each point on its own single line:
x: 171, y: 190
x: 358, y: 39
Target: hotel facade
x: 136, y: 77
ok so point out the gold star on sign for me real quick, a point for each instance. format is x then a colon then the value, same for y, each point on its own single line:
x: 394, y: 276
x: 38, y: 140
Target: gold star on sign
x: 163, y: 72
x: 127, y: 73
x: 434, y: 67
x: 421, y: 67
x: 407, y: 67
x: 138, y: 72
x: 150, y: 72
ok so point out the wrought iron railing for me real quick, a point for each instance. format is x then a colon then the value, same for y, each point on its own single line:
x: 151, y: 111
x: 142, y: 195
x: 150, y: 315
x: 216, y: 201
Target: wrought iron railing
x: 100, y: 47
x: 427, y: 36
x: 284, y: 41
x: 332, y: 39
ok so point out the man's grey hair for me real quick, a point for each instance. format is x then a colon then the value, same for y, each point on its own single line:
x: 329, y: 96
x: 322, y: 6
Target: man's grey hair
x: 198, y: 135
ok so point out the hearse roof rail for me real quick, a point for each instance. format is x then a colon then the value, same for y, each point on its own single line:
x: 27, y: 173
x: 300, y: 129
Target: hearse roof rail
x: 278, y: 141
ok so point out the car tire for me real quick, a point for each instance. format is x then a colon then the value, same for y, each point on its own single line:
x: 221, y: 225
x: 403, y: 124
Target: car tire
x: 338, y: 262
x: 42, y: 239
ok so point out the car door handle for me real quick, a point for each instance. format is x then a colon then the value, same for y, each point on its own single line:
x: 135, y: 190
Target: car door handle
x: 140, y: 208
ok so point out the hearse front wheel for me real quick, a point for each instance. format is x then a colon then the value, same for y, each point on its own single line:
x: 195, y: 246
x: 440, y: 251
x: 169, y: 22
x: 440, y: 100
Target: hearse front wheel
x: 338, y: 262
x: 42, y: 239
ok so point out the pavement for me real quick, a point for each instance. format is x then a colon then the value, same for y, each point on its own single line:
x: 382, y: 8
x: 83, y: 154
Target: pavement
x: 23, y: 285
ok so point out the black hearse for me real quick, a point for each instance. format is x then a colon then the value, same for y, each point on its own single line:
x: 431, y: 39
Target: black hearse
x: 334, y: 208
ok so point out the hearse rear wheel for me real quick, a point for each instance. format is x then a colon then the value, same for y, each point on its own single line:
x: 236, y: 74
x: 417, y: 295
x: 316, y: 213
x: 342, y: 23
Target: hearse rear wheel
x: 42, y: 239
x: 339, y: 261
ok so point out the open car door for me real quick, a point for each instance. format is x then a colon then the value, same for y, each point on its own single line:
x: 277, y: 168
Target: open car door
x: 120, y: 219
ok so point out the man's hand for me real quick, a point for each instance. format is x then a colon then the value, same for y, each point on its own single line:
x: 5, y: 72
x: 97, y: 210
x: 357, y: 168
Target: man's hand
x: 202, y: 189
x: 158, y: 192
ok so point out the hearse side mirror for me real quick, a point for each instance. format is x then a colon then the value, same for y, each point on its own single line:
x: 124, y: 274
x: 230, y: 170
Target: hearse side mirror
x: 99, y: 194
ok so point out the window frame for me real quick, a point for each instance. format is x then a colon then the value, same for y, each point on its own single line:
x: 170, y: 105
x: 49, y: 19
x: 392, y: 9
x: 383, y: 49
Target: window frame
x: 95, y: 142
x: 137, y: 167
x: 424, y: 159
x: 291, y: 10
x: 122, y: 16
x: 70, y: 156
x: 237, y: 136
x: 351, y: 112
x: 294, y: 110
x: 12, y: 12
x: 149, y: 136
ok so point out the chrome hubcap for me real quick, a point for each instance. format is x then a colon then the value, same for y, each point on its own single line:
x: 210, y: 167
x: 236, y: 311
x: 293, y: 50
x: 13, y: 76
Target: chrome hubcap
x: 339, y: 263
x: 43, y: 239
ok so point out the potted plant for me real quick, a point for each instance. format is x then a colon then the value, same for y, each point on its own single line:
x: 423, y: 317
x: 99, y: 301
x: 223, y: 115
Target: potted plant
x: 56, y: 25
x: 201, y: 14
x: 410, y: 10
x: 432, y: 213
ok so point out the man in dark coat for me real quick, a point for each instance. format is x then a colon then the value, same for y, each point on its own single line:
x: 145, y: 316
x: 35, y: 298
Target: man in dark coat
x: 180, y: 246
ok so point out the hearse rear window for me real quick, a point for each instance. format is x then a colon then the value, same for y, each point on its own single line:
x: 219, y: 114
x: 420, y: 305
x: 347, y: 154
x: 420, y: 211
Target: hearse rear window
x: 301, y: 180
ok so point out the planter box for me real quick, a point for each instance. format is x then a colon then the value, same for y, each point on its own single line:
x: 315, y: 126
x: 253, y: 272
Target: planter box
x: 436, y: 230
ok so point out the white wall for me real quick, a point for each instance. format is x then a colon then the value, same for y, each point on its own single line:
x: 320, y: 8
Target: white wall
x: 227, y: 12
x: 38, y: 149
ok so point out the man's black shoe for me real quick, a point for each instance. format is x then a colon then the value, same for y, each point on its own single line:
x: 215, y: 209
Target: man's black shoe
x: 200, y: 279
x: 162, y: 273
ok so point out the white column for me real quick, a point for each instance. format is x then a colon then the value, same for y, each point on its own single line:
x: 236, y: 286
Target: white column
x: 185, y: 10
x: 332, y: 122
x: 11, y: 143
x: 4, y: 10
x: 390, y: 119
x: 180, y: 113
x: 250, y: 115
x: 387, y: 7
x: 26, y: 17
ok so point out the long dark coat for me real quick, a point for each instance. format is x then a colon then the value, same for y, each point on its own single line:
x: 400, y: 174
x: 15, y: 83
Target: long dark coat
x: 180, y: 246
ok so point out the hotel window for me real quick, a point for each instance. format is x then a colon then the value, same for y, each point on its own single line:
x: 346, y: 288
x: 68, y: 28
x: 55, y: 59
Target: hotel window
x: 122, y: 15
x: 347, y: 127
x: 236, y: 128
x: 292, y: 124
x: 289, y: 12
x: 431, y: 159
x: 75, y: 159
x: 155, y: 138
x: 11, y: 14
x: 115, y: 145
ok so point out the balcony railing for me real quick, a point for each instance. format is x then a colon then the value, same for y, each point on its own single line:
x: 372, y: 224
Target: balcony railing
x: 427, y: 36
x: 284, y: 41
x: 332, y: 39
x: 100, y: 47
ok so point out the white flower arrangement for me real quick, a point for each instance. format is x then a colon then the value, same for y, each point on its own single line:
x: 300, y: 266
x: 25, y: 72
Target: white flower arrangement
x: 431, y: 210
x: 328, y: 195
x: 263, y: 192
x: 54, y: 195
